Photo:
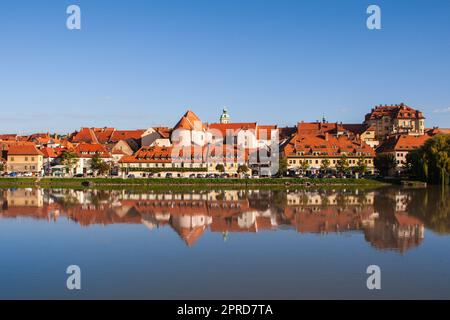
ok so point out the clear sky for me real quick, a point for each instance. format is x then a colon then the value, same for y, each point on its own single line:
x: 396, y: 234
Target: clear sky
x: 136, y: 64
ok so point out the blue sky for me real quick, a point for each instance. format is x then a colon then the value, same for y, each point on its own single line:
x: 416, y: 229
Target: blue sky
x: 137, y: 64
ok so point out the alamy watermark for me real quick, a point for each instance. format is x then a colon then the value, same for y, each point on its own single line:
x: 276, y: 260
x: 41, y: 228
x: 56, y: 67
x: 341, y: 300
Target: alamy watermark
x: 74, y: 280
x: 73, y: 22
x: 374, y: 20
x: 374, y: 280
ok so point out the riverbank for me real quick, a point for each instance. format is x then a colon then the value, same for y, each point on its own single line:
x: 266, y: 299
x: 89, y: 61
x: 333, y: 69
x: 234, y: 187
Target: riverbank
x: 151, y: 183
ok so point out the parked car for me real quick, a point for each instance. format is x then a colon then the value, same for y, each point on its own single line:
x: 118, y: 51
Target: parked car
x: 131, y: 176
x: 200, y: 176
x: 13, y: 174
x: 27, y: 174
x: 78, y: 175
x: 169, y: 175
x: 224, y: 175
x: 192, y: 176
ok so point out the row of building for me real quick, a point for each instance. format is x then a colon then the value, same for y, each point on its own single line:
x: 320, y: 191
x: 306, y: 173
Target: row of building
x: 195, y: 146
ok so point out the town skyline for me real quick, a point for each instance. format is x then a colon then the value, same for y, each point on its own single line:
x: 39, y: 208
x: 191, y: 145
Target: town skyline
x: 216, y: 119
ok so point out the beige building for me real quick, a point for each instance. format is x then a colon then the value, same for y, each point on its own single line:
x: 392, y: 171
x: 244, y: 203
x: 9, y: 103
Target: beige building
x: 318, y: 144
x: 25, y: 159
x: 401, y: 146
x: 394, y: 120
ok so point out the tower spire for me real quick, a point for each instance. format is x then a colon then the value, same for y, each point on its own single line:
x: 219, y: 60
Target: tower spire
x: 225, y: 117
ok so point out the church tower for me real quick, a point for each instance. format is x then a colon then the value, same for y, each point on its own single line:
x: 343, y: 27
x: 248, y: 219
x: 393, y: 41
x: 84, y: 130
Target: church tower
x: 225, y: 117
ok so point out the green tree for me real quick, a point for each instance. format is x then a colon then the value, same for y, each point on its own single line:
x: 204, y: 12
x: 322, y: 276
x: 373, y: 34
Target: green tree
x: 282, y: 166
x: 385, y: 163
x: 361, y: 165
x: 242, y: 169
x: 342, y: 164
x: 220, y: 168
x: 99, y: 166
x: 325, y: 165
x: 304, y: 165
x: 431, y: 162
x: 69, y: 160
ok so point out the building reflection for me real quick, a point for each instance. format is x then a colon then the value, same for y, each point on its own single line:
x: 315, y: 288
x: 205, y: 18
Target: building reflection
x: 381, y: 216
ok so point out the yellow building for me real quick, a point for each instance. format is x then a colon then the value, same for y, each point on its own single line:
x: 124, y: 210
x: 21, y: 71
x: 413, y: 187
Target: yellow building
x: 25, y: 159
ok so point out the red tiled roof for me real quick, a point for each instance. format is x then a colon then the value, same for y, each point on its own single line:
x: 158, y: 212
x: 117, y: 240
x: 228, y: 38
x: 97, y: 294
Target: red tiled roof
x: 400, y: 111
x: 314, y: 128
x: 150, y: 155
x: 125, y: 135
x: 190, y: 121
x: 403, y: 143
x: 233, y: 128
x: 23, y: 149
x: 327, y: 145
x: 85, y: 135
x: 9, y: 137
x: 51, y: 152
x: 164, y: 132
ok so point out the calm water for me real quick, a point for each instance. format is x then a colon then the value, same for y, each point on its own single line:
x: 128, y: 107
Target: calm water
x: 225, y: 244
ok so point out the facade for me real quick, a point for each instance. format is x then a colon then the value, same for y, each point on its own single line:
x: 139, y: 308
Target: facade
x: 317, y: 144
x: 232, y: 158
x: 25, y: 159
x: 85, y: 152
x: 395, y: 120
x: 400, y: 146
x: 157, y: 161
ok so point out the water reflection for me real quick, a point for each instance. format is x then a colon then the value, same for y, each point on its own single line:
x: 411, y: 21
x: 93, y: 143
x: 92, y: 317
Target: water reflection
x: 390, y: 219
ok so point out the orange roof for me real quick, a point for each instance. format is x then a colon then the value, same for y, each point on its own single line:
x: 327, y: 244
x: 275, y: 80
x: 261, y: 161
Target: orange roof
x: 398, y: 111
x: 403, y: 143
x: 190, y: 121
x: 327, y: 145
x: 150, y: 155
x: 51, y: 152
x: 10, y: 137
x: 126, y: 134
x: 85, y: 135
x: 233, y: 128
x: 25, y: 149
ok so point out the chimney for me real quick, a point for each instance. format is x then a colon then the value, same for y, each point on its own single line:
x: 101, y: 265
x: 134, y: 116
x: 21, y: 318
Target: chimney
x: 326, y: 136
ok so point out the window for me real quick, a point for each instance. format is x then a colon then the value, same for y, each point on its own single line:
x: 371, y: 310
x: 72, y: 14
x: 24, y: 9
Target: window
x: 32, y: 158
x: 12, y: 159
x: 26, y: 158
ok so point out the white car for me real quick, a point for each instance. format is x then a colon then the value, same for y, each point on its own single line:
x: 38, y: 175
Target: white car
x: 27, y: 174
